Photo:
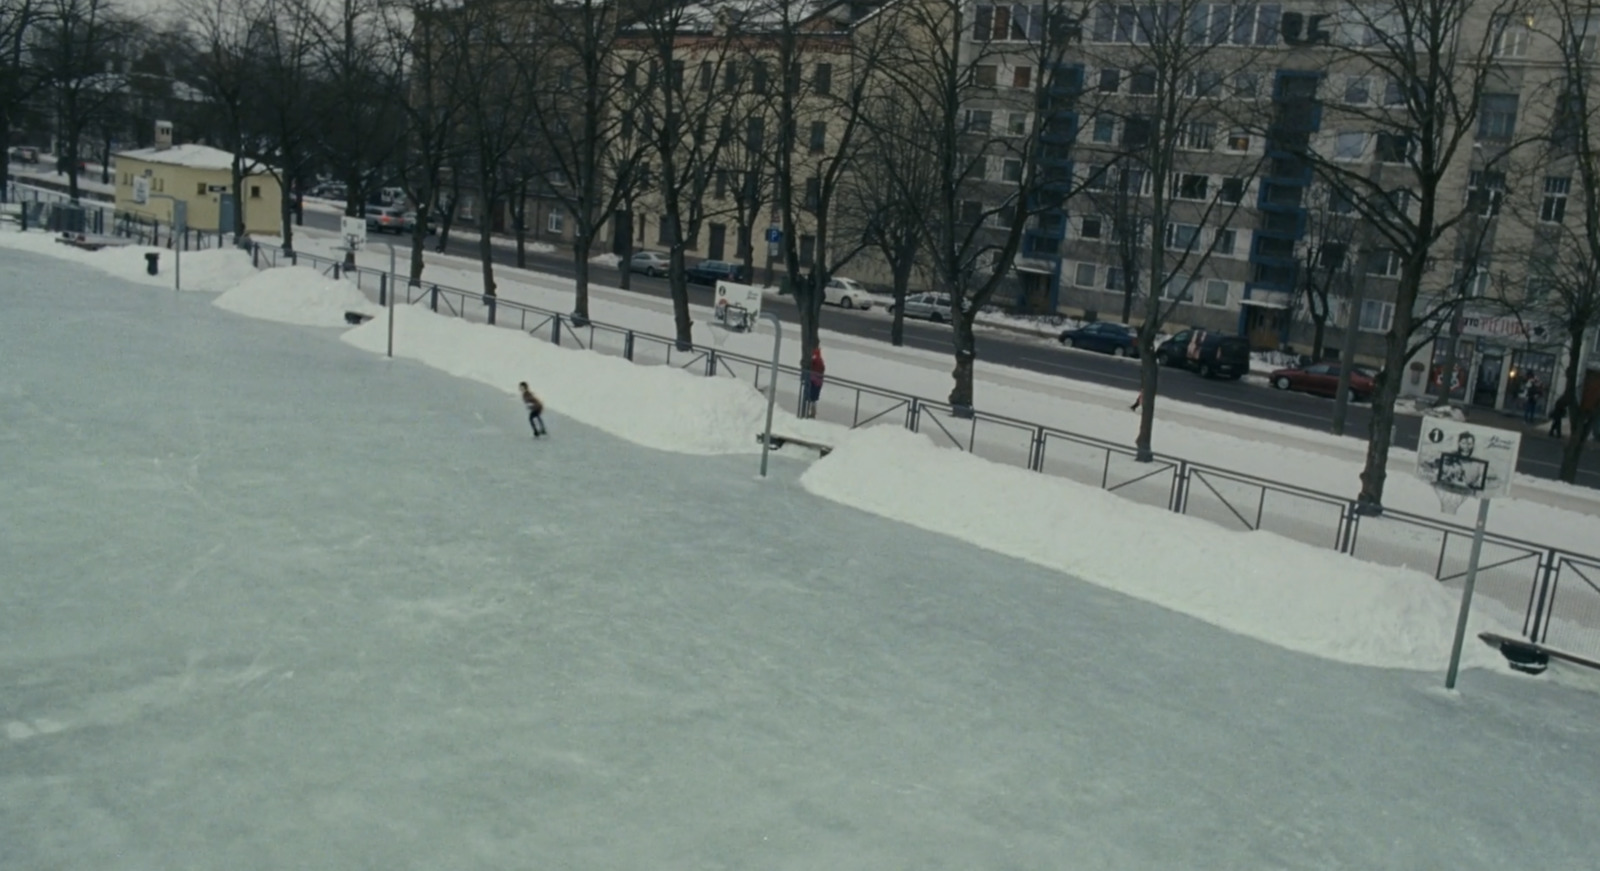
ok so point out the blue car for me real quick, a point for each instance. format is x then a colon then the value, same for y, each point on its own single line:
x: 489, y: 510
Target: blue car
x: 1108, y: 338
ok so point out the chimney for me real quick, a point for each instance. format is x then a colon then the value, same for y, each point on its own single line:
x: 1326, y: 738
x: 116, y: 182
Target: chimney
x: 163, y: 135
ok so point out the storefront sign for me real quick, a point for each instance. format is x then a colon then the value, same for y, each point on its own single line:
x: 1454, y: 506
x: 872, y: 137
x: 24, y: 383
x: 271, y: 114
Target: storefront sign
x: 1504, y: 326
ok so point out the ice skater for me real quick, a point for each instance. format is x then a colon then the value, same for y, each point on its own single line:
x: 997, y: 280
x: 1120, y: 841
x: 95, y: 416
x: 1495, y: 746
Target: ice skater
x: 814, y: 377
x: 535, y: 410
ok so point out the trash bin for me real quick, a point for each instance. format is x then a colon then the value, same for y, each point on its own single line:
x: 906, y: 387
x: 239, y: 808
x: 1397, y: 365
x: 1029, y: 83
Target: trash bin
x: 151, y: 260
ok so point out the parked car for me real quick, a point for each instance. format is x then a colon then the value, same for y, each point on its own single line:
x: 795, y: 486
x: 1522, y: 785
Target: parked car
x: 1211, y: 354
x: 1108, y: 338
x: 713, y: 271
x: 386, y: 220
x: 649, y: 262
x: 1322, y: 379
x: 846, y: 293
x: 933, y: 306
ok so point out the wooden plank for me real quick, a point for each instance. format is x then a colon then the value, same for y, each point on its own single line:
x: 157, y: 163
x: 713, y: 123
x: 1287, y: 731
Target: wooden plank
x: 778, y: 441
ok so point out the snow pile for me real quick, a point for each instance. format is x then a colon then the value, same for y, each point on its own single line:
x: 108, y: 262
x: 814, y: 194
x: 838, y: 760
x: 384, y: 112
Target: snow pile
x: 660, y: 407
x: 211, y: 271
x: 1256, y: 584
x: 610, y: 261
x: 296, y: 295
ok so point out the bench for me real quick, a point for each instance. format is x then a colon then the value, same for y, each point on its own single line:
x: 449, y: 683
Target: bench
x: 1531, y: 656
x: 356, y: 318
x: 778, y: 441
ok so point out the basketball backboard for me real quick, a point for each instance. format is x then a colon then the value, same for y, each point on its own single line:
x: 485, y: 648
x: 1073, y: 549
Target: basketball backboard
x: 737, y: 306
x: 1460, y: 460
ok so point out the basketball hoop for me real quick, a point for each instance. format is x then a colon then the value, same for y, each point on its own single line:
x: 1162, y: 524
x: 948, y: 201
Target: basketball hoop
x: 1450, y: 498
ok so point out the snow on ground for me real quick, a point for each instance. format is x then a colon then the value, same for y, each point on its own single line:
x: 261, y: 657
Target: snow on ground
x: 210, y: 271
x: 610, y: 261
x: 1273, y: 589
x: 296, y: 295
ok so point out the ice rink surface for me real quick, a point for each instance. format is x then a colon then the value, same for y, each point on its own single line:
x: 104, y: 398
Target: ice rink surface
x: 268, y: 601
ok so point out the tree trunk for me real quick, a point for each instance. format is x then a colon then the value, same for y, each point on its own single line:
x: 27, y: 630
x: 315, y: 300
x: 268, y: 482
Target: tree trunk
x: 486, y: 256
x: 286, y: 218
x: 1127, y: 302
x: 1149, y: 376
x: 625, y: 279
x: 680, y: 301
x: 582, y: 244
x: 966, y: 353
x: 1577, y: 415
x: 901, y: 270
x: 1319, y: 335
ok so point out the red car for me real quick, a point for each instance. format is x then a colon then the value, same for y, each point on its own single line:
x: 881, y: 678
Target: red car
x: 1322, y: 379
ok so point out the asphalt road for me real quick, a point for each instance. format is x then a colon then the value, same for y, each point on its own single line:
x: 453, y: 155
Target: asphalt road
x: 1541, y: 455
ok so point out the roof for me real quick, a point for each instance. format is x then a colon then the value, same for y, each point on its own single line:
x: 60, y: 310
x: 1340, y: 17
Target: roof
x: 192, y: 156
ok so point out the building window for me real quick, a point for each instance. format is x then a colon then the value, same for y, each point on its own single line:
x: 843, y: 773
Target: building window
x: 556, y: 221
x: 1203, y: 84
x: 822, y: 81
x: 808, y: 249
x: 1226, y: 241
x: 1087, y: 273
x: 200, y: 188
x: 1019, y: 124
x: 1179, y: 287
x: 985, y: 75
x: 1022, y: 77
x: 1198, y: 136
x: 1486, y: 192
x: 1114, y: 278
x: 1376, y: 316
x: 1143, y: 82
x: 1394, y: 93
x: 1091, y: 227
x: 819, y: 135
x: 1182, y: 237
x: 754, y: 135
x: 1105, y: 128
x: 1238, y: 142
x: 1497, y: 116
x: 255, y: 192
x: 1232, y: 190
x: 813, y: 193
x: 1136, y: 131
x: 1191, y: 186
x: 1358, y: 90
x: 1510, y: 36
x: 1384, y: 262
x: 1011, y: 170
x: 979, y: 120
x: 758, y: 77
x: 1110, y: 80
x: 1393, y: 147
x: 1246, y: 86
x: 1553, y: 210
x: 1349, y: 145
x: 1216, y: 293
x: 1473, y: 284
x: 664, y: 230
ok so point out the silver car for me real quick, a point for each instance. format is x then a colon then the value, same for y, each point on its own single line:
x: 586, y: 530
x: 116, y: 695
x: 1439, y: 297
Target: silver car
x: 649, y: 262
x: 933, y: 306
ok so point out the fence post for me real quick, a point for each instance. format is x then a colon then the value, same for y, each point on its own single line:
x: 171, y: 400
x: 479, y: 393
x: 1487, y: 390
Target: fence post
x: 1180, y: 488
x: 255, y: 256
x: 1537, y: 628
x: 1349, y: 519
x: 1036, y: 455
x: 555, y: 329
x: 711, y: 363
x: 912, y: 410
x: 433, y: 298
x: 627, y: 346
x: 489, y: 300
x: 383, y: 289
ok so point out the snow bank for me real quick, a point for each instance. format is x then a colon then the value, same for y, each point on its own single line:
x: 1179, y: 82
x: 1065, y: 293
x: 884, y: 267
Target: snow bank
x: 1253, y: 583
x: 296, y: 295
x: 211, y: 271
x: 610, y: 261
x: 660, y: 407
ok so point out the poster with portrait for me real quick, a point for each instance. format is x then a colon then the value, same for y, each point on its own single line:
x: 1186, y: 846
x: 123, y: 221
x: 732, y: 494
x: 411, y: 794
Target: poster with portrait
x: 1471, y: 460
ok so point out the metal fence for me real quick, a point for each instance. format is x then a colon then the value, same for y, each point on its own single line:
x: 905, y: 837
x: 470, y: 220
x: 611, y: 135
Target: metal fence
x: 1557, y: 592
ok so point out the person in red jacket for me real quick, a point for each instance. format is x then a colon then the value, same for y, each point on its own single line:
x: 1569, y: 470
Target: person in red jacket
x: 814, y: 376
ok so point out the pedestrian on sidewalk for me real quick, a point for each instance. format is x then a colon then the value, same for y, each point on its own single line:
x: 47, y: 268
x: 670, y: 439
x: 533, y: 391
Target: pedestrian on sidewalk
x: 535, y: 409
x: 1137, y: 401
x: 1531, y: 394
x: 814, y: 376
x: 1558, y: 413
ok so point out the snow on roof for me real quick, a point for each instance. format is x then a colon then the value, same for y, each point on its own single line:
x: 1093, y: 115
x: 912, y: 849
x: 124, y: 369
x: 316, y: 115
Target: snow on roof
x: 191, y: 156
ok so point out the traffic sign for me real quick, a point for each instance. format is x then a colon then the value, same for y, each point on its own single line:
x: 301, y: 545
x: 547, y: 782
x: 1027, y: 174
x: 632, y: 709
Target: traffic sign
x: 774, y: 235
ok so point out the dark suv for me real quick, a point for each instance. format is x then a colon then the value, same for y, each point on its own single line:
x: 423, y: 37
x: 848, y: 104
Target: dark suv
x: 713, y: 271
x: 1213, y: 355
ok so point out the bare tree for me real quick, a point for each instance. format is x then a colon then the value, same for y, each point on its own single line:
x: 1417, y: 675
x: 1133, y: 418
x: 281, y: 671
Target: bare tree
x: 355, y: 107
x: 580, y: 105
x: 678, y: 119
x: 1192, y: 77
x: 283, y: 88
x: 1326, y: 260
x: 1415, y: 74
x: 977, y: 218
x: 20, y: 76
x: 223, y: 63
x: 74, y: 44
x: 889, y: 195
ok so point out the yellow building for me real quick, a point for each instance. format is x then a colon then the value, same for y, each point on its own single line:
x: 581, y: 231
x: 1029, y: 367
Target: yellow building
x: 200, y: 176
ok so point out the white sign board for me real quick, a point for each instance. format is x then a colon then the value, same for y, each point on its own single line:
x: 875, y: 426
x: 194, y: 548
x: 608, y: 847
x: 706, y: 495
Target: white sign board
x: 1459, y: 458
x: 354, y: 231
x: 737, y: 305
x: 141, y: 189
